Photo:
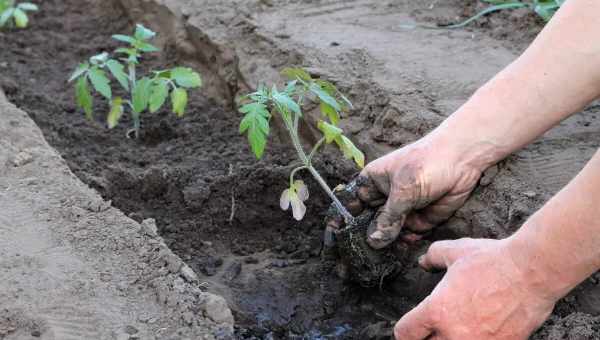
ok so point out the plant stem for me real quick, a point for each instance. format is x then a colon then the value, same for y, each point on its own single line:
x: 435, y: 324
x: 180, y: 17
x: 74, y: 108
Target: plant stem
x: 307, y: 162
x: 315, y: 149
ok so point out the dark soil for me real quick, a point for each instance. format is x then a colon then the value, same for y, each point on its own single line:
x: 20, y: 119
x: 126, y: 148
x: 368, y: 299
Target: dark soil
x: 215, y: 205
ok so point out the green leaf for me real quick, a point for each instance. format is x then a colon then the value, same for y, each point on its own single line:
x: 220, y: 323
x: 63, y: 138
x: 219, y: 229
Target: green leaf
x: 143, y: 33
x: 296, y: 73
x: 330, y: 112
x: 100, y: 82
x: 118, y: 71
x: 286, y: 102
x: 186, y: 77
x: 124, y: 38
x: 99, y: 59
x: 350, y: 151
x: 5, y: 16
x: 27, y: 6
x: 21, y: 19
x: 158, y: 94
x: 140, y: 95
x: 256, y: 124
x: 116, y: 111
x: 179, y: 100
x: 84, y: 97
x: 145, y: 47
x: 325, y: 97
x: 331, y: 132
x: 81, y: 69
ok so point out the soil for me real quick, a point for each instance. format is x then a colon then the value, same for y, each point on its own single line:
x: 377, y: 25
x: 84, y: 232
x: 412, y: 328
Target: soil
x: 217, y: 207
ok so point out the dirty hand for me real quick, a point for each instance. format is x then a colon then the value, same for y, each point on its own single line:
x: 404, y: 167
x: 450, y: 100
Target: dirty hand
x: 484, y: 295
x: 416, y: 187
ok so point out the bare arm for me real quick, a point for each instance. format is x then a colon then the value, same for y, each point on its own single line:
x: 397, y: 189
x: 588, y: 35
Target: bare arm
x: 556, y: 76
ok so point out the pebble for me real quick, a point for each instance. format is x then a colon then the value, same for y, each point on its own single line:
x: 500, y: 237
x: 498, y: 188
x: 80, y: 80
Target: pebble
x: 530, y: 194
x: 22, y: 158
x: 188, y: 274
x: 149, y: 227
x: 131, y: 330
x: 216, y: 309
x: 233, y: 271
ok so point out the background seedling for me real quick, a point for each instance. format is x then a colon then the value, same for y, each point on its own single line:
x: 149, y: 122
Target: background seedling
x: 260, y: 106
x: 13, y: 14
x: 544, y: 8
x: 147, y: 93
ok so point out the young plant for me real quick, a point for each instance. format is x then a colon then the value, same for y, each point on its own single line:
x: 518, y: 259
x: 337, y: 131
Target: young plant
x: 543, y: 8
x: 146, y: 93
x: 13, y: 14
x: 260, y: 106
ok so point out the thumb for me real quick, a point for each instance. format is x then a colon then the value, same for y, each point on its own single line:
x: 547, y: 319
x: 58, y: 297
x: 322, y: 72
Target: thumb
x: 443, y: 254
x: 386, y: 226
x: 415, y: 325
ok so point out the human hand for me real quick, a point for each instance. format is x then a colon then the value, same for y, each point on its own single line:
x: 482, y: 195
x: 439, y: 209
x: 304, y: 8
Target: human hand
x: 417, y: 187
x: 484, y: 295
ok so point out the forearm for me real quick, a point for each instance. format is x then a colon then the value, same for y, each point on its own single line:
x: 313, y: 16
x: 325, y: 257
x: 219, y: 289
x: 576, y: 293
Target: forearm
x: 559, y: 246
x: 556, y: 76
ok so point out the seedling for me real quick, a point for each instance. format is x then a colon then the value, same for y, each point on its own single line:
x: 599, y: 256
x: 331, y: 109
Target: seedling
x: 13, y: 14
x: 544, y: 8
x: 147, y: 93
x: 260, y: 106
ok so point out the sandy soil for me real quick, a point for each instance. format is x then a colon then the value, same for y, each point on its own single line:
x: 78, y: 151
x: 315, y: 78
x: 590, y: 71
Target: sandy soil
x: 403, y: 79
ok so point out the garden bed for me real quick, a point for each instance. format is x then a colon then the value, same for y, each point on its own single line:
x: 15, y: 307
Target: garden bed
x: 214, y: 204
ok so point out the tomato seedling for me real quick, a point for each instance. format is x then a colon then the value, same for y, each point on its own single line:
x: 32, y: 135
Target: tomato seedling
x: 545, y: 9
x: 15, y: 14
x: 147, y: 93
x: 260, y: 106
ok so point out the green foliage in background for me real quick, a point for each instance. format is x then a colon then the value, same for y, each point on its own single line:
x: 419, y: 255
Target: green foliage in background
x: 13, y: 14
x: 544, y: 8
x: 146, y: 93
x: 259, y: 108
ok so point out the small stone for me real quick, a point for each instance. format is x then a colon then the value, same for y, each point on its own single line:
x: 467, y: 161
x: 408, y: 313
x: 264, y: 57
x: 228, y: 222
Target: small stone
x: 216, y: 309
x: 530, y: 194
x: 3, y: 64
x: 149, y: 227
x: 188, y: 274
x: 131, y: 330
x: 36, y: 333
x: 188, y: 318
x: 233, y: 271
x: 251, y: 260
x: 22, y: 158
x: 144, y: 318
x: 174, y: 263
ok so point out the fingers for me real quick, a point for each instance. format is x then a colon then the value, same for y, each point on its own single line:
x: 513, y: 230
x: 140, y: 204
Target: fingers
x: 386, y: 226
x: 437, y: 212
x: 415, y: 325
x: 443, y: 254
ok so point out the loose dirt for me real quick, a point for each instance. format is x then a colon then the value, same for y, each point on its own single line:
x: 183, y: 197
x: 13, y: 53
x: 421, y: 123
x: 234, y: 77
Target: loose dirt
x: 193, y: 174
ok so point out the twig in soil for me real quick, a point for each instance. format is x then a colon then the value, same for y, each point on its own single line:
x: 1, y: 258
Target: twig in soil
x: 232, y: 215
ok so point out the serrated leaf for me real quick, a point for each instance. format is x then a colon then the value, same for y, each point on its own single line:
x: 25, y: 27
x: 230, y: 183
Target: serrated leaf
x: 5, y: 16
x: 21, y: 19
x: 286, y: 102
x: 256, y: 124
x: 124, y: 38
x: 325, y: 97
x: 100, y: 82
x: 186, y: 77
x: 81, y: 69
x: 143, y: 33
x: 330, y: 112
x: 27, y: 6
x: 179, y: 98
x: 84, y: 97
x: 330, y: 132
x: 296, y: 73
x: 116, y: 111
x: 159, y: 91
x: 118, y: 71
x: 290, y: 88
x: 350, y: 151
x: 140, y: 95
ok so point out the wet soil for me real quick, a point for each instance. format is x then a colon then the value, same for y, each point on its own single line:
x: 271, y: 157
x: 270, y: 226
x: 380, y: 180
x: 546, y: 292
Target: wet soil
x: 215, y: 205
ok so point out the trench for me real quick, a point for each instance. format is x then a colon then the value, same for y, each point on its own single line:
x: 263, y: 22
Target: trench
x: 215, y: 205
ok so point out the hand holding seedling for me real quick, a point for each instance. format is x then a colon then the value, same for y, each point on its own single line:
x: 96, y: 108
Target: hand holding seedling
x: 145, y: 93
x: 15, y: 14
x: 260, y: 106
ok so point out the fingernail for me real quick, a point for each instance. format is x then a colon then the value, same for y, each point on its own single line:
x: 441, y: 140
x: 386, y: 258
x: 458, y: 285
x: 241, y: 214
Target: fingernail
x: 421, y: 260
